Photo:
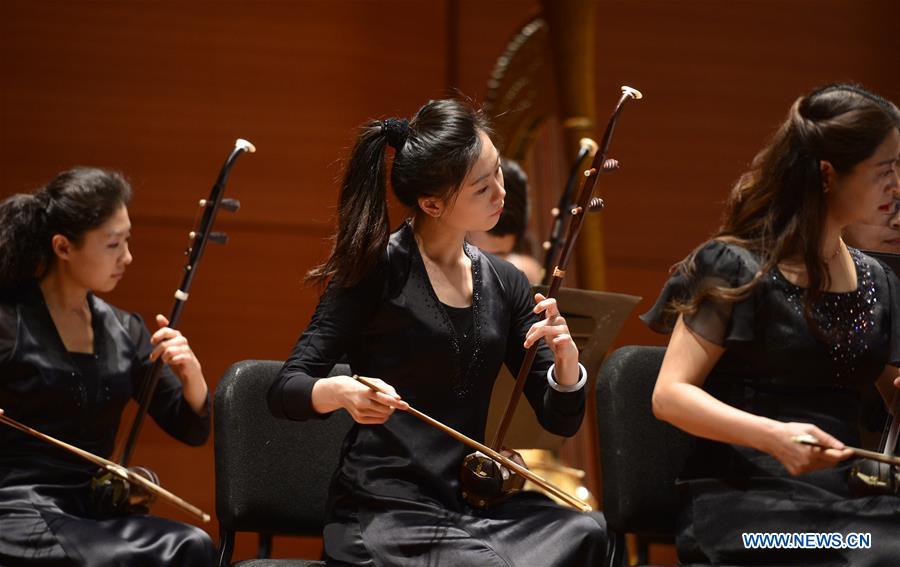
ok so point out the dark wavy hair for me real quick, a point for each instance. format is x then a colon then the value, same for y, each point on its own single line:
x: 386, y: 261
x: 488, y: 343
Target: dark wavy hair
x: 431, y: 159
x: 777, y: 208
x: 74, y: 202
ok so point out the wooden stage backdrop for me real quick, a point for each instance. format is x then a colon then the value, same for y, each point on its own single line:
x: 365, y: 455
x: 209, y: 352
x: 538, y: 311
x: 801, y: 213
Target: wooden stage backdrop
x: 160, y: 90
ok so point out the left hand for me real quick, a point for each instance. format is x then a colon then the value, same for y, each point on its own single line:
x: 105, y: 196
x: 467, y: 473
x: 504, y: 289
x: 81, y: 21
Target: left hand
x: 555, y: 332
x: 172, y: 347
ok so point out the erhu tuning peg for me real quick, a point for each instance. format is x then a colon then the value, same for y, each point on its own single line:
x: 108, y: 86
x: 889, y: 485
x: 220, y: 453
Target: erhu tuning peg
x: 218, y: 237
x: 608, y: 166
x: 231, y: 205
x: 594, y: 205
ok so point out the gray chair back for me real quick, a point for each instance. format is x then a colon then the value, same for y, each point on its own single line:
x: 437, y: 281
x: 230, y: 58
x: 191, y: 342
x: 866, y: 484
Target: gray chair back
x: 272, y: 475
x: 640, y: 456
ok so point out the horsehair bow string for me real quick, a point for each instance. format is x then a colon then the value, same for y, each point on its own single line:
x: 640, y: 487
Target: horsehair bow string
x: 495, y: 455
x: 113, y: 468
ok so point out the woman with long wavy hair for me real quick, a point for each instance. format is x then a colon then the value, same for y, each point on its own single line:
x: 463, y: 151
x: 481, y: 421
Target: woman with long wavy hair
x: 776, y: 325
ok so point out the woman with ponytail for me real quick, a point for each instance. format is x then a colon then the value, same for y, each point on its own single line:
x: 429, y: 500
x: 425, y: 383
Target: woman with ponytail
x: 434, y: 318
x: 776, y: 326
x: 69, y: 362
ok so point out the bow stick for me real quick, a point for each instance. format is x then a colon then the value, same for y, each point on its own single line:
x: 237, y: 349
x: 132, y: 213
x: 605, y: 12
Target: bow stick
x: 857, y: 452
x: 112, y: 467
x: 496, y: 456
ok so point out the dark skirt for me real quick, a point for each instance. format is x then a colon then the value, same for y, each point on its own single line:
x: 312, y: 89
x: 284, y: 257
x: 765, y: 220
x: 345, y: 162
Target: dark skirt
x: 52, y: 524
x: 717, y: 512
x: 528, y: 529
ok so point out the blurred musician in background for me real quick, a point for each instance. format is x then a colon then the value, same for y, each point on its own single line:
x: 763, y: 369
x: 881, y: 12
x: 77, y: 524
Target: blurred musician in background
x: 508, y: 239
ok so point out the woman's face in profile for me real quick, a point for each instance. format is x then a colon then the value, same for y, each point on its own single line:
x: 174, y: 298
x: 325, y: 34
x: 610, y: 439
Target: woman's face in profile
x: 879, y: 233
x: 99, y: 261
x: 869, y: 189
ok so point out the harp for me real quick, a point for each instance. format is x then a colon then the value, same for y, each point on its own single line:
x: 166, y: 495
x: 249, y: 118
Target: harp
x: 546, y: 77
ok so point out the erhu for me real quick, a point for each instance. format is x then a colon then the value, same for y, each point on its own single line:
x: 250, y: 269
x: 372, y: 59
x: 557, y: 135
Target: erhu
x: 484, y: 481
x: 875, y: 472
x: 111, y: 491
x: 561, y: 212
x: 494, y: 456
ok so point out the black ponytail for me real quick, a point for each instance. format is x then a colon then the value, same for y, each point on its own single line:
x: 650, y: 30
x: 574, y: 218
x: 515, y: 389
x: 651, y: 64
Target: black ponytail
x: 23, y: 223
x: 433, y: 154
x: 75, y: 202
x: 363, y: 228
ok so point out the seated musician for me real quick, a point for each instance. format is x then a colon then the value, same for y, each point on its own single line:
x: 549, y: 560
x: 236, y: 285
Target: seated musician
x: 433, y: 318
x: 776, y: 326
x: 69, y: 363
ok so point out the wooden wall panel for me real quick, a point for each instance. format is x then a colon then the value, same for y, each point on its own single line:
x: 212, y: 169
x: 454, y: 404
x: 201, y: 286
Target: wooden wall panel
x: 160, y: 90
x: 718, y: 78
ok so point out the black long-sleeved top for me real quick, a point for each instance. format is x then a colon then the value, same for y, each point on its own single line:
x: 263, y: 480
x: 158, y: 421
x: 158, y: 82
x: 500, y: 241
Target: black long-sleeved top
x: 392, y: 326
x: 77, y: 398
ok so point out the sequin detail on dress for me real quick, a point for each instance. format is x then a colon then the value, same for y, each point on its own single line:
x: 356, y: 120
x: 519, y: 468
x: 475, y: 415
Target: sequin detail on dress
x: 462, y: 388
x: 462, y: 372
x: 844, y: 319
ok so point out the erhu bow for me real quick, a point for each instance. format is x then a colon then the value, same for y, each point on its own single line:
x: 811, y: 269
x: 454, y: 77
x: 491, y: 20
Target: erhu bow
x: 495, y: 456
x: 475, y: 465
x: 876, y: 472
x: 125, y: 476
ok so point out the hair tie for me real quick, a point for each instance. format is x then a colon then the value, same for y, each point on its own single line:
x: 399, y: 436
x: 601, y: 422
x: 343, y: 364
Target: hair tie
x: 395, y: 131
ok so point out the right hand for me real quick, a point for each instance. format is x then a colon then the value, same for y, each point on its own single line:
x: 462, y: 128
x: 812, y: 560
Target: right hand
x: 363, y: 404
x: 800, y: 459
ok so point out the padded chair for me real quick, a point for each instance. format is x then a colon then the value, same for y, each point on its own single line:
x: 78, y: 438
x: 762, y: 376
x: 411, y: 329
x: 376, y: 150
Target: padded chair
x: 272, y: 475
x: 640, y: 455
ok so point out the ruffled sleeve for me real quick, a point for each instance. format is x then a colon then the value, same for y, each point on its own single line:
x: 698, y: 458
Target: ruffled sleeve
x: 721, y: 322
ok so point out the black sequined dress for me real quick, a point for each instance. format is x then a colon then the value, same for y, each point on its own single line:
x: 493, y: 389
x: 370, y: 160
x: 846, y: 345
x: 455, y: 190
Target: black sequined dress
x: 775, y: 366
x: 395, y: 497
